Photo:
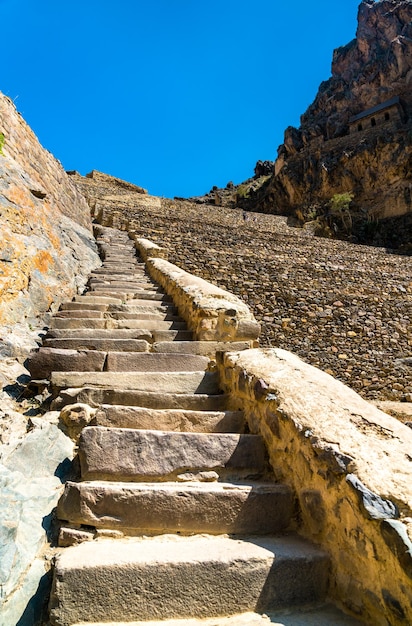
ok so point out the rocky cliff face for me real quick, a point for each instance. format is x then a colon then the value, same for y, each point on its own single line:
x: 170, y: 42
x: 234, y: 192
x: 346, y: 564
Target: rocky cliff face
x: 46, y: 247
x: 357, y: 134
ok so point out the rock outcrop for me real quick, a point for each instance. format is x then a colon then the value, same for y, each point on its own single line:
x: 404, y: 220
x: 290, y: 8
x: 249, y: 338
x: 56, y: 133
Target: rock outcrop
x: 356, y: 136
x: 46, y: 247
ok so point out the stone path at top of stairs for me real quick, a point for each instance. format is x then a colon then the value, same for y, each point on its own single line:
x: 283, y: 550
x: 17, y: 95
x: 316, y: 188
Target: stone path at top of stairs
x: 176, y: 516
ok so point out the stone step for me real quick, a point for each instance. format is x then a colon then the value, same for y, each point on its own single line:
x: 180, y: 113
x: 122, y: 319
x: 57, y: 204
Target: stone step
x: 46, y: 360
x: 205, y: 348
x: 126, y: 294
x: 160, y: 362
x: 80, y: 322
x: 178, y: 577
x: 146, y: 290
x: 96, y: 333
x: 119, y: 271
x: 177, y: 420
x: 152, y: 309
x: 125, y: 278
x: 192, y: 507
x: 130, y: 455
x: 152, y: 303
x: 80, y: 313
x: 147, y: 324
x: 172, y: 335
x: 168, y: 382
x: 95, y: 397
x: 83, y: 306
x: 105, y: 345
x: 88, y: 299
x: 97, y: 283
x: 124, y: 315
x: 326, y: 615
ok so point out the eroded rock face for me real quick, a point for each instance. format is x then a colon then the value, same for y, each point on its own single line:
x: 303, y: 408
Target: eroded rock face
x: 47, y: 249
x: 344, y: 146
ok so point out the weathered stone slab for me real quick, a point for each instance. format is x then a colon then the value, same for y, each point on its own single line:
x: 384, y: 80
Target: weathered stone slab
x: 42, y: 363
x: 169, y: 382
x: 89, y: 299
x: 177, y: 420
x: 83, y: 306
x: 320, y: 616
x: 148, y: 309
x: 162, y: 362
x: 104, y: 333
x: 82, y: 322
x: 124, y: 315
x: 138, y: 455
x: 104, y: 271
x: 95, y: 396
x: 256, y: 508
x: 98, y: 283
x: 200, y: 576
x: 172, y: 335
x: 106, y: 345
x: 152, y: 303
x: 148, y: 324
x: 145, y: 289
x: 80, y: 313
x: 205, y: 348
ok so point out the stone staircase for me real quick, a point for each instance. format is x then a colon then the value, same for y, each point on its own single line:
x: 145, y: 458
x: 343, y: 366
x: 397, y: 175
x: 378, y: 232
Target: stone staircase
x: 175, y: 518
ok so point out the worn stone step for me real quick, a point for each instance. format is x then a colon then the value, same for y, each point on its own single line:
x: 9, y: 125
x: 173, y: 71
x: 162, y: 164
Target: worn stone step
x: 79, y: 313
x: 105, y: 345
x: 161, y: 362
x: 327, y: 615
x: 46, y: 360
x: 178, y: 577
x: 88, y: 299
x: 172, y: 335
x: 98, y: 333
x: 159, y: 315
x: 168, y: 382
x: 193, y: 507
x: 95, y: 283
x: 146, y: 291
x: 152, y: 303
x: 125, y: 278
x: 177, y: 420
x: 95, y: 397
x: 147, y: 323
x: 139, y: 309
x: 131, y: 455
x: 143, y: 295
x: 119, y: 271
x: 77, y: 322
x: 83, y: 306
x: 205, y: 348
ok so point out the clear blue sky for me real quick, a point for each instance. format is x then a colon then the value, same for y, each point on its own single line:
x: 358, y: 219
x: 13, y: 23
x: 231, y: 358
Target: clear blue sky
x: 173, y: 95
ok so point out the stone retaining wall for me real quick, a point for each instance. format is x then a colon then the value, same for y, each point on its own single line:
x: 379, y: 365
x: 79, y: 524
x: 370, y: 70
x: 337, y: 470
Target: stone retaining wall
x: 350, y: 466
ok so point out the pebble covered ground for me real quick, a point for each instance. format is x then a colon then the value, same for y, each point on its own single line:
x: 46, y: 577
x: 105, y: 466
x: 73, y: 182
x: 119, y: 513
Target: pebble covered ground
x: 344, y: 308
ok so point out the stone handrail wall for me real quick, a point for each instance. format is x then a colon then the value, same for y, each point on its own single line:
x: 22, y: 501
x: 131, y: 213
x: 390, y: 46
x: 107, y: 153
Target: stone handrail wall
x: 211, y: 313
x: 350, y: 466
x: 148, y: 249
